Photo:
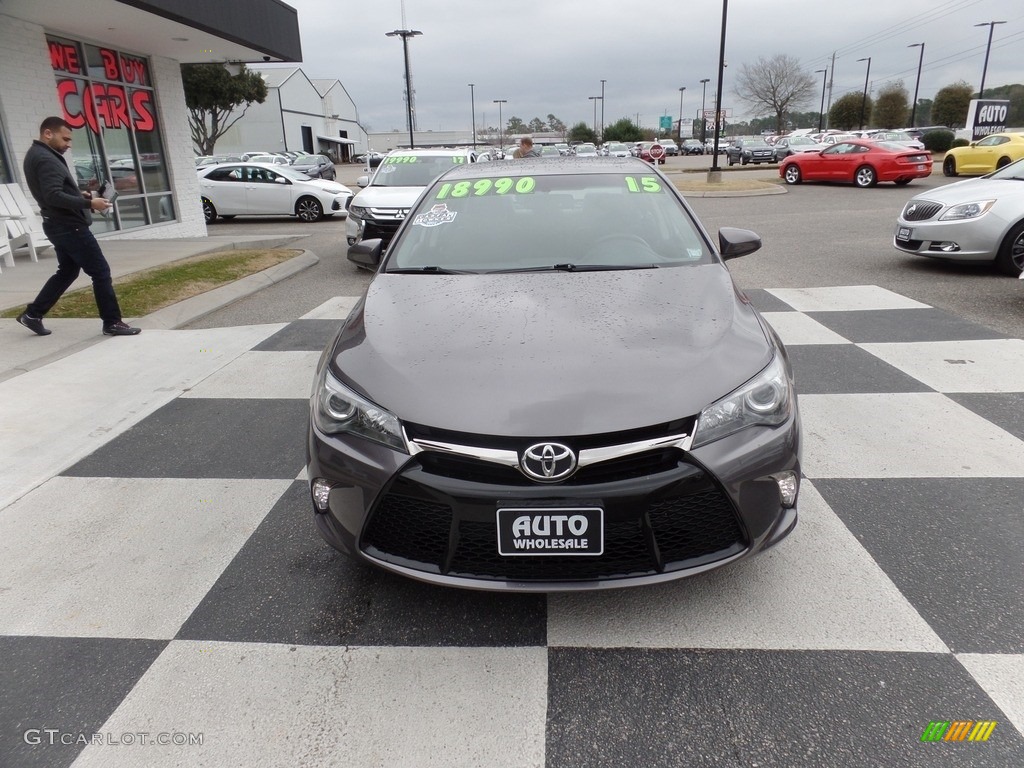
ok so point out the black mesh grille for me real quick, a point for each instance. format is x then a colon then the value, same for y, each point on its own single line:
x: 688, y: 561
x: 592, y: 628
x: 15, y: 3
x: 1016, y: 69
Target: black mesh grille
x: 385, y: 230
x: 919, y: 211
x: 691, y: 523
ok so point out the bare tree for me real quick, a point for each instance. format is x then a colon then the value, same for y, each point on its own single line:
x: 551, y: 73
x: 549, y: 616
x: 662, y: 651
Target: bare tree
x: 775, y: 86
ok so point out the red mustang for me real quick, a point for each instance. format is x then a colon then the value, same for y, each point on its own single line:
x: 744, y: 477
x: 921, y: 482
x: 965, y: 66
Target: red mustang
x: 865, y: 163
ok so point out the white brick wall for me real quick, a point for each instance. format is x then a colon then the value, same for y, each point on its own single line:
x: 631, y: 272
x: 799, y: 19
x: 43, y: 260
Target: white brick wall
x: 28, y: 93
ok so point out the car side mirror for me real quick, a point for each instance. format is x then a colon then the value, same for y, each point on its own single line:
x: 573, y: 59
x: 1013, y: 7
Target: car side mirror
x: 366, y: 253
x: 363, y: 181
x: 733, y: 242
x: 281, y: 180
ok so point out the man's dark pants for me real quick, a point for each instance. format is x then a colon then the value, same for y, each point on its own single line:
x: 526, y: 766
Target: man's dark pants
x: 77, y: 251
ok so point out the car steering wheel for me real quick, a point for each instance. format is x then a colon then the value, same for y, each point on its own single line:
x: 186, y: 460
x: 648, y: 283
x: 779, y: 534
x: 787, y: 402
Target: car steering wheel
x: 621, y: 241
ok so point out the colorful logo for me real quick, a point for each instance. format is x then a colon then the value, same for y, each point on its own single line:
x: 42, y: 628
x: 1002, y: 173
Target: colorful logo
x: 958, y: 730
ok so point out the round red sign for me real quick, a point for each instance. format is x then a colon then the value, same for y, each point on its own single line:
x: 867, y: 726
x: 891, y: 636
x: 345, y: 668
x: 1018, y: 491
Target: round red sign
x: 657, y: 151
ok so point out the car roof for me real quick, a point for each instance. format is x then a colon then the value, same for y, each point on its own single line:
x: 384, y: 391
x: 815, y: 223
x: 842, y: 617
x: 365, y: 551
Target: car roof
x: 566, y: 166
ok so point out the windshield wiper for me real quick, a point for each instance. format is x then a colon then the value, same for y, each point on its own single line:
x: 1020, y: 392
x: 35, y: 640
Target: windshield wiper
x: 568, y: 267
x: 429, y: 270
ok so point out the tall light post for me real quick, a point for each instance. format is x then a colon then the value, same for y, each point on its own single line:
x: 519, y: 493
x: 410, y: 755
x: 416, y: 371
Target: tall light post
x: 917, y: 83
x: 864, y: 101
x: 501, y: 128
x: 715, y: 174
x: 704, y: 120
x: 821, y: 111
x: 602, y: 110
x: 405, y: 34
x: 594, y: 99
x: 472, y: 107
x: 991, y: 25
x: 681, y: 115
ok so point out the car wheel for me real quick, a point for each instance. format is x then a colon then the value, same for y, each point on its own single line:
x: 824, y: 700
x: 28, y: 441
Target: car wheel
x: 791, y: 174
x: 744, y: 161
x: 949, y: 167
x: 1002, y: 162
x: 1010, y: 260
x: 209, y: 212
x: 309, y: 209
x: 865, y: 176
x: 731, y: 161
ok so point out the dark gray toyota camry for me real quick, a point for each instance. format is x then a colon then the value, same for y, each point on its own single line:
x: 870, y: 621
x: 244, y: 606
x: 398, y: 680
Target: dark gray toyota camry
x: 552, y: 383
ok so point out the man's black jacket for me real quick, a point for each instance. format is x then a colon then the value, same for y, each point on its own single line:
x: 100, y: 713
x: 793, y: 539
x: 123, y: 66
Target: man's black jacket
x: 53, y: 186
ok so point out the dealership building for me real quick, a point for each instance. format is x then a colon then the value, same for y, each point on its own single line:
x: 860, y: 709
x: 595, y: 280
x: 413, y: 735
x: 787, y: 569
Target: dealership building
x: 111, y: 68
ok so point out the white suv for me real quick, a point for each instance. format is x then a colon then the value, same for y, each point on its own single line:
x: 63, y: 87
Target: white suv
x: 379, y: 209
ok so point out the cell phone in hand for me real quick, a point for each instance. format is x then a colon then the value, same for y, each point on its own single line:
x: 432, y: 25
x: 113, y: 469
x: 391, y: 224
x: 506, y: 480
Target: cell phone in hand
x: 107, y: 191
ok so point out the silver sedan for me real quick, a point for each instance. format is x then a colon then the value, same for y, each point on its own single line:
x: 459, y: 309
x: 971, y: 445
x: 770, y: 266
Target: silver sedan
x: 974, y: 220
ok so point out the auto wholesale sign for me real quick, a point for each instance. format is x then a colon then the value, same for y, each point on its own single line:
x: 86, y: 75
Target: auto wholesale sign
x: 987, y: 116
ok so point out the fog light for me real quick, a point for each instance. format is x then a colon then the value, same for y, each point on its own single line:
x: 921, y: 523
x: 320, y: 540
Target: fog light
x: 321, y: 492
x: 945, y: 247
x: 789, y: 485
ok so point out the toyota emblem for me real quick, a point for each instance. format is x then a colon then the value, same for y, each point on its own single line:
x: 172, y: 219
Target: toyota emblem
x: 548, y: 462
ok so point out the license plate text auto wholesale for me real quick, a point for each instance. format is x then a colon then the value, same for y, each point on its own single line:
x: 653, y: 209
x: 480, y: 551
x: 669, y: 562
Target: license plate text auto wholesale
x: 903, y: 233
x: 550, y: 531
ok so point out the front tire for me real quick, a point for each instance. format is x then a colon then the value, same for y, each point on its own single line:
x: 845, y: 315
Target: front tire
x: 1010, y: 260
x: 791, y: 174
x: 209, y: 211
x: 949, y: 167
x: 865, y: 176
x: 309, y: 209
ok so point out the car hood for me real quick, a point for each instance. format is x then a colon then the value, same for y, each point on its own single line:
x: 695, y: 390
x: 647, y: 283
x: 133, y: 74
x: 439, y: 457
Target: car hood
x: 969, y: 190
x: 550, y: 353
x: 387, y: 197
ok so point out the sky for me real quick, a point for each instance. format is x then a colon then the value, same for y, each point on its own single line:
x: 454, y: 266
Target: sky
x: 550, y: 56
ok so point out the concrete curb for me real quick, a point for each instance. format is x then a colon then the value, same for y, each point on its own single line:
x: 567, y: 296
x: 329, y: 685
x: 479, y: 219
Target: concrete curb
x: 177, y: 315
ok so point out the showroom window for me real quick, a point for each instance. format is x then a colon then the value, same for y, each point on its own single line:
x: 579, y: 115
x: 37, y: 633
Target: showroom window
x: 108, y: 99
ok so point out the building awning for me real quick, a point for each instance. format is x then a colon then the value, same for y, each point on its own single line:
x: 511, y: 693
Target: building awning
x: 335, y: 139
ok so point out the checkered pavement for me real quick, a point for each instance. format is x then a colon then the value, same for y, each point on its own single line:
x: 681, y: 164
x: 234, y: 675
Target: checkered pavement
x: 161, y: 579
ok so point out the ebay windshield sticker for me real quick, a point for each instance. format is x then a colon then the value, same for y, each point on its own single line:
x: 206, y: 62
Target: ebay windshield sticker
x: 439, y: 214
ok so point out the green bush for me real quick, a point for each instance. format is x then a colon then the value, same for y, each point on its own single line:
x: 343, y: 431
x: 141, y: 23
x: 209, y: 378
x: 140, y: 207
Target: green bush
x: 938, y: 141
x: 960, y: 143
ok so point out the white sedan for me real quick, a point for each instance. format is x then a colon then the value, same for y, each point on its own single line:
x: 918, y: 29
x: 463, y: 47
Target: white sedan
x: 975, y: 220
x: 259, y: 189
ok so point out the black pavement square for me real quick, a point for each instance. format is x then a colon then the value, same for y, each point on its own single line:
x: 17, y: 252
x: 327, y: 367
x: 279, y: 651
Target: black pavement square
x: 66, y: 685
x: 881, y: 326
x: 953, y: 546
x: 846, y: 369
x: 301, y: 336
x: 200, y: 438
x: 286, y: 585
x: 797, y: 709
x: 763, y: 301
x: 1004, y: 409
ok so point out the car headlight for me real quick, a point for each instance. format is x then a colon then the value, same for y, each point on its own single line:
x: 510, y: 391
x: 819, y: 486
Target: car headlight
x: 967, y: 210
x: 338, y: 410
x: 359, y: 211
x: 766, y: 400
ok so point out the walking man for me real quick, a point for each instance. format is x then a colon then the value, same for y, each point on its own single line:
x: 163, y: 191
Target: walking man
x: 67, y: 214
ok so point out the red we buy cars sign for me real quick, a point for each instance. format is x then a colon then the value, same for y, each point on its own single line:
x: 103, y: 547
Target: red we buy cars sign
x: 100, y: 104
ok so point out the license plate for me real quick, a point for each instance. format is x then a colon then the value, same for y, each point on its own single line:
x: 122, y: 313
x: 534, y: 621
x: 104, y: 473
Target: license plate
x: 903, y: 233
x: 530, y: 531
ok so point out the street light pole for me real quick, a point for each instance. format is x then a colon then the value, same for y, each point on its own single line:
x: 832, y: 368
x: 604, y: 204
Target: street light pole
x: 472, y: 106
x: 991, y: 25
x: 715, y: 174
x: 501, y: 128
x: 864, y: 101
x: 917, y: 84
x: 681, y: 115
x: 821, y: 112
x: 704, y: 120
x: 594, y: 99
x: 405, y: 34
x: 602, y: 110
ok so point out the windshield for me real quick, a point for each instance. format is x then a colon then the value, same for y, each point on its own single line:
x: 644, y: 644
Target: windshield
x: 610, y: 221
x: 413, y: 170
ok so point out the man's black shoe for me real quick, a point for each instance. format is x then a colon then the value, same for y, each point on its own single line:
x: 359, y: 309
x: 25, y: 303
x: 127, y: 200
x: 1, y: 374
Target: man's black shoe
x: 120, y: 329
x: 34, y: 324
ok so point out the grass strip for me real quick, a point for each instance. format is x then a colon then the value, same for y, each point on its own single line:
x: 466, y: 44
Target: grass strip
x: 141, y: 293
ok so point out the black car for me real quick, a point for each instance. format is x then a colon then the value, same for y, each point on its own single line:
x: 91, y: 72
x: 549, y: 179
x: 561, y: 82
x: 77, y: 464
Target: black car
x: 317, y: 166
x: 692, y: 147
x: 745, y: 151
x: 552, y: 383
